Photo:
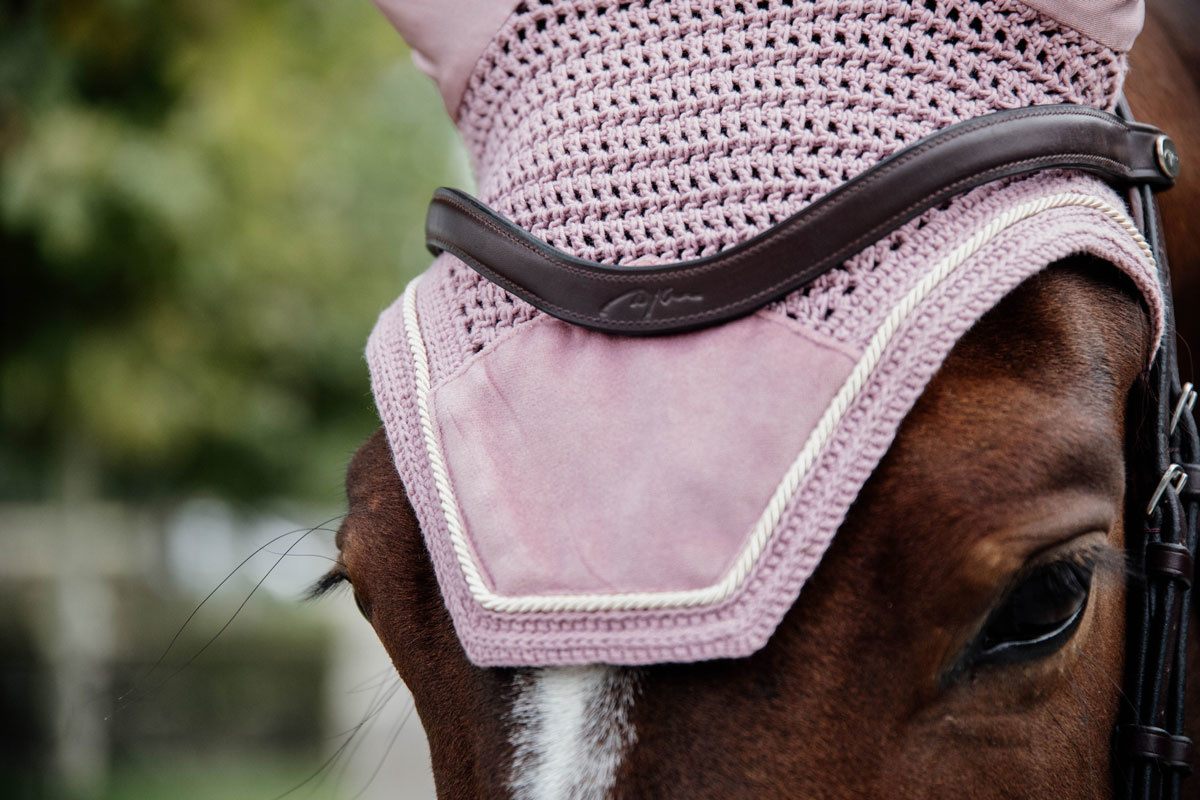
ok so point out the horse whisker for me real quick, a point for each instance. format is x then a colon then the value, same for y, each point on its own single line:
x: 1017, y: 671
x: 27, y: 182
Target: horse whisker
x: 125, y: 698
x: 1085, y: 710
x: 303, y: 555
x: 368, y: 722
x: 1091, y: 662
x: 373, y: 681
x: 174, y: 639
x: 375, y: 706
x: 345, y: 747
x: 391, y: 743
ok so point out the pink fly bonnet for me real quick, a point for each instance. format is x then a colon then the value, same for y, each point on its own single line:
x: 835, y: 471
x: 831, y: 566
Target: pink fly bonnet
x: 588, y: 497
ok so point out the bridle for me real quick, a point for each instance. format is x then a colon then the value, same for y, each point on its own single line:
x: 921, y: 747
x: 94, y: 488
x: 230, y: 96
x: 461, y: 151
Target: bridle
x: 1150, y: 750
x: 1150, y: 745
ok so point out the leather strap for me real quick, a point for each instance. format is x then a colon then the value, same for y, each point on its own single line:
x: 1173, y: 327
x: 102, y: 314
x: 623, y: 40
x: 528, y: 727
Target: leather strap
x: 1155, y: 744
x: 1153, y: 755
x: 1169, y: 560
x: 740, y: 279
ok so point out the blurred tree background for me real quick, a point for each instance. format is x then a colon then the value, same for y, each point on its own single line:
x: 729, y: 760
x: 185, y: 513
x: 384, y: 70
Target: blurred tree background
x: 203, y: 208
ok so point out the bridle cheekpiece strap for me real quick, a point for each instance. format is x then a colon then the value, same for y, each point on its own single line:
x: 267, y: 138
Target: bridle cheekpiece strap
x: 1152, y: 752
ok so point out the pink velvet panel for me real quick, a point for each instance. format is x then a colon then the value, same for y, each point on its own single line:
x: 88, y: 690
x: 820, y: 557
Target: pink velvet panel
x: 589, y: 463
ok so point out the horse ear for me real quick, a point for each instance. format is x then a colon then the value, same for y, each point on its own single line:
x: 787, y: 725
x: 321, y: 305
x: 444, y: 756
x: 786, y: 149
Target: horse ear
x: 447, y: 38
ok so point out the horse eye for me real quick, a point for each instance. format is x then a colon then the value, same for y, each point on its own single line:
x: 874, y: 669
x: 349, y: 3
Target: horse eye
x: 1039, y: 616
x: 363, y: 608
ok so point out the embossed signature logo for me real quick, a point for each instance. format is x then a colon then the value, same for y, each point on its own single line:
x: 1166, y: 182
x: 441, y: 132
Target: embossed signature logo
x: 642, y: 303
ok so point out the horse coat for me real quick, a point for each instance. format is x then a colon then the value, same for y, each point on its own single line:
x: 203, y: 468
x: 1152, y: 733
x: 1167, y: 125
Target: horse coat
x: 591, y: 498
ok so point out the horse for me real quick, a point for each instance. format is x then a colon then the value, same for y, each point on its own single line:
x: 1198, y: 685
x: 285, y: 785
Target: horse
x: 963, y: 635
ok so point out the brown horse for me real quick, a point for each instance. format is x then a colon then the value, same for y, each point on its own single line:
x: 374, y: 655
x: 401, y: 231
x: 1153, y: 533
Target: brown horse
x: 1005, y: 487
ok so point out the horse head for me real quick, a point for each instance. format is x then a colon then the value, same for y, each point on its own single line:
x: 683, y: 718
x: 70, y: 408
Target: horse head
x: 964, y: 633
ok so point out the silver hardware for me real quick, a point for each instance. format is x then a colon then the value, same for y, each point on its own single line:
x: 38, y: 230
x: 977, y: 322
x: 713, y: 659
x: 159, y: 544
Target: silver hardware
x: 1187, y: 401
x: 1175, y: 477
x: 1168, y: 156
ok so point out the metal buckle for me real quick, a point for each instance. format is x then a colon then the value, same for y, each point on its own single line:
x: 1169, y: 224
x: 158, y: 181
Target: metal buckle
x: 1174, y: 473
x: 1187, y: 400
x: 1167, y: 156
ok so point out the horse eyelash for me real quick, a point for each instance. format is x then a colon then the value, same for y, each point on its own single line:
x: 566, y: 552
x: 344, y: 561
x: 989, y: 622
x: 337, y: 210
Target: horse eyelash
x: 1100, y: 557
x: 1106, y: 558
x: 327, y: 582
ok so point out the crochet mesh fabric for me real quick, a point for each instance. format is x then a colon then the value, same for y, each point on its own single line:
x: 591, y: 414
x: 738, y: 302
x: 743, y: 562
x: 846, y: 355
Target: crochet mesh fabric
x: 619, y: 130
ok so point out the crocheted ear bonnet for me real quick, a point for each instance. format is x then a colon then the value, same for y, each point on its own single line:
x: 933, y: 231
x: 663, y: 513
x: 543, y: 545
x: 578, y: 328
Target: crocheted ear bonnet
x: 595, y: 498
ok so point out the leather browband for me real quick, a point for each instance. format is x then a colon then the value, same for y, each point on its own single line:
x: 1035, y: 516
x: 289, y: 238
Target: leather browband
x: 740, y: 279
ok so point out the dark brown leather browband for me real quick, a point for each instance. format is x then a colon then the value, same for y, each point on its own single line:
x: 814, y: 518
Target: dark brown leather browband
x: 693, y: 294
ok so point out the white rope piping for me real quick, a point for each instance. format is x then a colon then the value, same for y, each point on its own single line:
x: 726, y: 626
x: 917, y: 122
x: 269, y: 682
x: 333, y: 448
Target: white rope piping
x: 791, y: 479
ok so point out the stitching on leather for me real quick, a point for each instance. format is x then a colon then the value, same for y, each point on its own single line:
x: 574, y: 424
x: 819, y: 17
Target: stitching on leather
x: 745, y: 302
x: 816, y: 211
x: 749, y: 300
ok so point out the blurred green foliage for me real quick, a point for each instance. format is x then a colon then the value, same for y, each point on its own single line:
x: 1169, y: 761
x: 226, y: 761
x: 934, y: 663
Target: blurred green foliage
x: 203, y: 207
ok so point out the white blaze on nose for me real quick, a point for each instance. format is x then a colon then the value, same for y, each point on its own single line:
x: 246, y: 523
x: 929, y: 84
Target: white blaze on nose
x: 570, y: 730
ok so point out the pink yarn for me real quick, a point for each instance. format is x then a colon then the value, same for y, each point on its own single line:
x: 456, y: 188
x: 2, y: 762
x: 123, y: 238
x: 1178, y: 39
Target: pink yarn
x: 617, y: 130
